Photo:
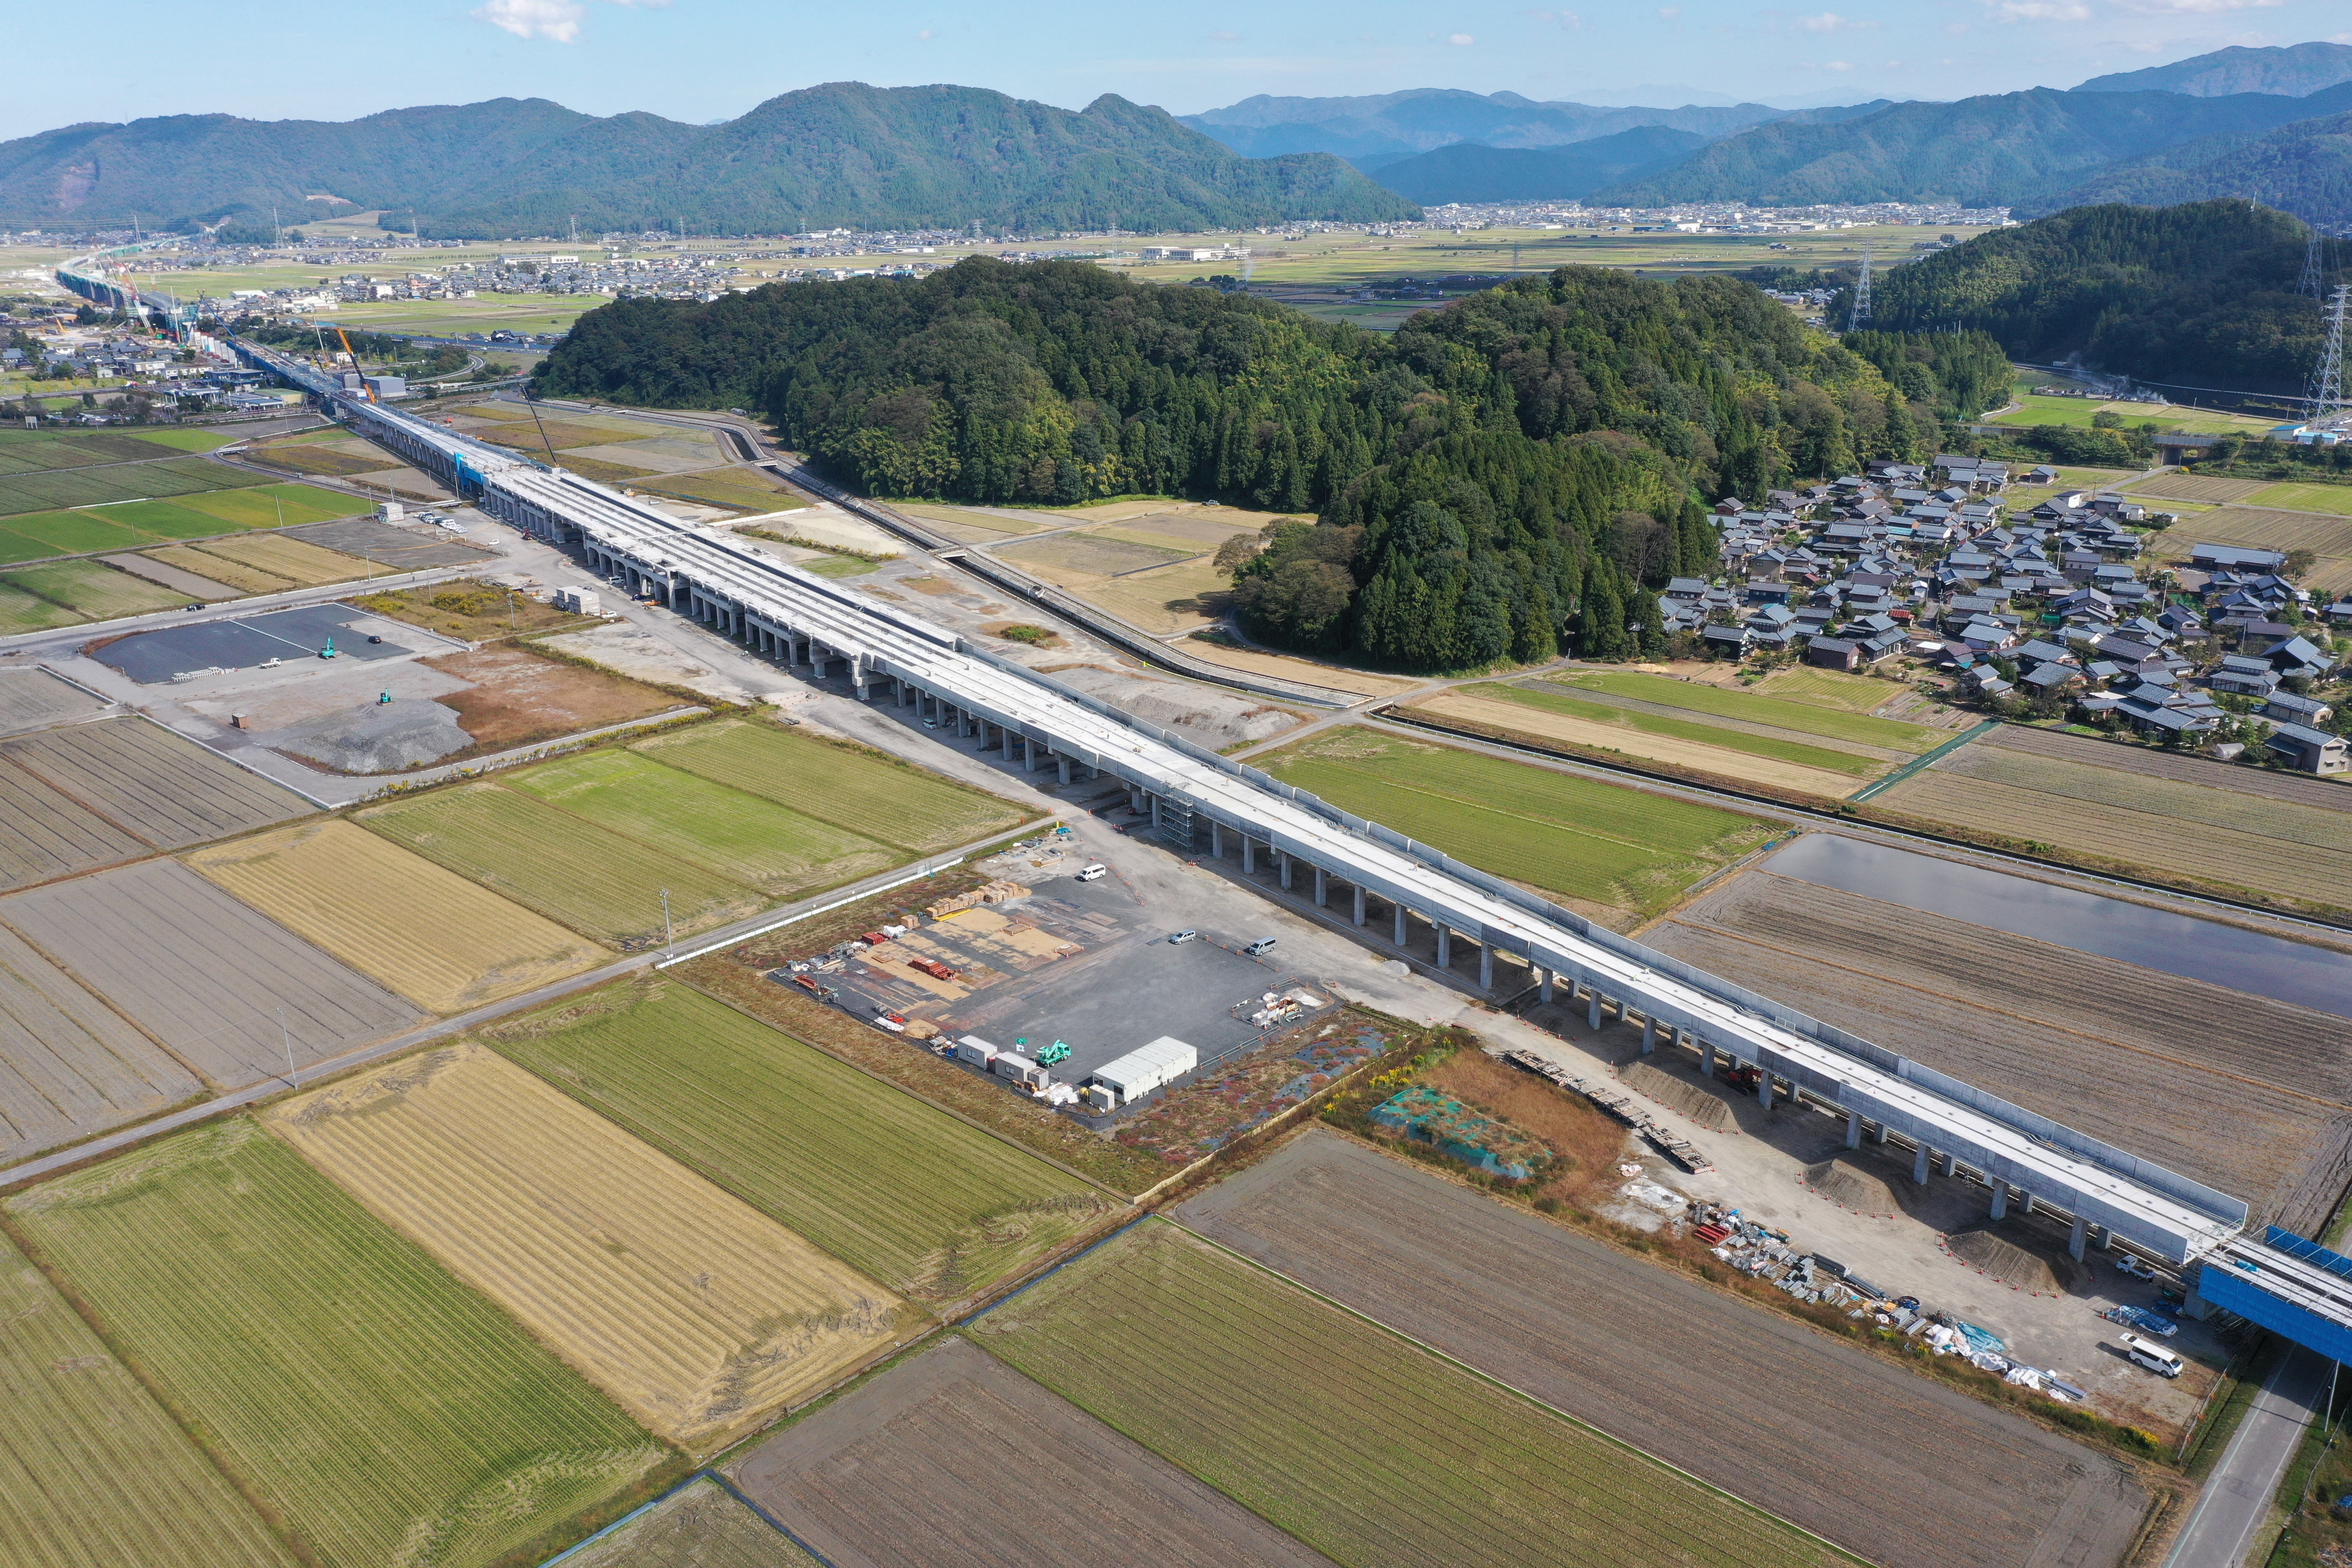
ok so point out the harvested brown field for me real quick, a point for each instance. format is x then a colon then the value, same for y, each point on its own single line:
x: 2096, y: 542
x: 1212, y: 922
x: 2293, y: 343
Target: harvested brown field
x: 2233, y: 1089
x: 1816, y: 1431
x: 44, y: 834
x: 294, y: 561
x: 2147, y: 761
x: 1694, y: 1101
x: 1306, y: 671
x: 695, y: 1312
x: 518, y: 698
x: 196, y: 565
x: 33, y: 696
x: 699, y: 1526
x: 167, y: 790
x: 2190, y: 486
x: 2327, y: 536
x: 1851, y: 1185
x: 426, y: 932
x: 2003, y: 1261
x: 68, y: 1066
x: 885, y: 1478
x: 201, y: 972
x: 2162, y: 830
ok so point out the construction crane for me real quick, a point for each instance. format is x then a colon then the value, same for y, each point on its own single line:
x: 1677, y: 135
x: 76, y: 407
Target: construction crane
x: 355, y: 363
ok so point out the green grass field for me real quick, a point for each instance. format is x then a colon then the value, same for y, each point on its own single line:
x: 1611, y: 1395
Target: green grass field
x: 773, y: 848
x: 1681, y: 728
x: 34, y: 451
x: 1364, y: 1447
x: 850, y: 786
x: 382, y: 1410
x: 261, y: 506
x: 23, y: 612
x: 99, y: 486
x: 93, y: 1474
x: 129, y: 525
x: 2336, y: 498
x: 591, y: 878
x: 1574, y: 836
x: 2076, y: 412
x: 31, y: 536
x: 1805, y: 718
x: 92, y: 591
x: 921, y: 1203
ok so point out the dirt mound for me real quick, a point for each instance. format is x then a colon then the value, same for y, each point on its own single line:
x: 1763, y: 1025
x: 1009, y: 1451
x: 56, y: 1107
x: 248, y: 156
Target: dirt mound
x: 2007, y: 1263
x: 1710, y: 1111
x: 1852, y: 1186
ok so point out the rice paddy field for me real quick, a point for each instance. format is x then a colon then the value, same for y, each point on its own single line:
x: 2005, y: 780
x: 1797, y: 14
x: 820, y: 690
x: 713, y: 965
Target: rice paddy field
x: 94, y: 1473
x: 697, y: 1313
x: 2327, y: 535
x: 1798, y: 709
x: 602, y: 885
x: 699, y: 1526
x: 170, y: 474
x: 2078, y: 796
x: 69, y: 1065
x: 775, y: 848
x: 159, y: 786
x: 1356, y: 1442
x: 1596, y: 842
x: 2336, y: 498
x: 852, y: 787
x: 444, y: 943
x: 225, y: 990
x: 1698, y: 732
x: 928, y: 1205
x: 377, y: 1408
x: 66, y: 593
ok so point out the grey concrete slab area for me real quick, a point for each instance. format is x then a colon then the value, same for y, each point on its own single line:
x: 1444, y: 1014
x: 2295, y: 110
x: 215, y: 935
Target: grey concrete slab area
x: 241, y: 642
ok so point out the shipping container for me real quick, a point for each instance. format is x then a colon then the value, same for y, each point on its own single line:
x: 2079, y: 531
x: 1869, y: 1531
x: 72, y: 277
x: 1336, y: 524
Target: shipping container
x: 973, y: 1050
x: 1019, y: 1068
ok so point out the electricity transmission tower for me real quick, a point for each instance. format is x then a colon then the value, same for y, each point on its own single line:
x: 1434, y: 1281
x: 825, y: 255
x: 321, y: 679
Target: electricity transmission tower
x: 2327, y: 381
x: 2309, y: 282
x: 1859, y: 317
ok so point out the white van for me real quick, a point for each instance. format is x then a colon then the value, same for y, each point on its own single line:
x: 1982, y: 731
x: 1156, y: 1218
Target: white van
x: 1093, y: 871
x: 2151, y: 1355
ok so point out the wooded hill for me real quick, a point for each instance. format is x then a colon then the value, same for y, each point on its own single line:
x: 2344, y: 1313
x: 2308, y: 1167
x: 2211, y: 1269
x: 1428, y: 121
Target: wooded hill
x: 844, y: 154
x: 2198, y: 295
x: 1524, y: 465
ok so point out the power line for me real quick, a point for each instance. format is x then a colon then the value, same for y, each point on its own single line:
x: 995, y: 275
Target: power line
x: 2327, y: 381
x: 1859, y: 317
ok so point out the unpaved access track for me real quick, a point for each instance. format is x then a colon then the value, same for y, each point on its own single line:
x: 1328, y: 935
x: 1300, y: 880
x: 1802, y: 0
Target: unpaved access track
x: 1888, y: 1464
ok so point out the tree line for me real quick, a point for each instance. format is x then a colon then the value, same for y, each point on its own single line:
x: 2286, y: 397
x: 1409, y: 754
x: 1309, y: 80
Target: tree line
x: 1518, y: 472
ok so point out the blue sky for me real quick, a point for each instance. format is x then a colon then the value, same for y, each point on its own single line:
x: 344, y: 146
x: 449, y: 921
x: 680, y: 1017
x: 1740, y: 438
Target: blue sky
x: 708, y: 60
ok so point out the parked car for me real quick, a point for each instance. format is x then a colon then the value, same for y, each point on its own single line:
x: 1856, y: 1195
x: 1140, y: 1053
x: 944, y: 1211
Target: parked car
x: 2135, y: 1266
x: 1263, y: 944
x: 1187, y: 934
x: 1093, y: 871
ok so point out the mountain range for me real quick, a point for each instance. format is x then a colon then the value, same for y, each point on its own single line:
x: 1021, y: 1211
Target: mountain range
x: 2239, y: 121
x: 842, y: 155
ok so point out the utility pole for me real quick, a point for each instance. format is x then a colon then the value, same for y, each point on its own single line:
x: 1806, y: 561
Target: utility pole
x: 1860, y: 316
x: 285, y: 1039
x: 670, y: 932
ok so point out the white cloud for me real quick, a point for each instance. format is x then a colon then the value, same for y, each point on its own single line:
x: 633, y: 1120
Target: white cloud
x: 1460, y: 40
x: 2191, y: 8
x: 2038, y: 10
x: 1831, y: 22
x: 1837, y: 65
x: 1568, y: 20
x: 557, y: 21
x: 924, y: 34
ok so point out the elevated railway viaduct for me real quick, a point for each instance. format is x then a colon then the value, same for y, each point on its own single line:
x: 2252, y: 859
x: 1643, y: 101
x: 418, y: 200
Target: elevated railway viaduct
x: 812, y: 624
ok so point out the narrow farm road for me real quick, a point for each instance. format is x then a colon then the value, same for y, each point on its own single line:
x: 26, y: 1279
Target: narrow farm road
x: 2236, y: 1500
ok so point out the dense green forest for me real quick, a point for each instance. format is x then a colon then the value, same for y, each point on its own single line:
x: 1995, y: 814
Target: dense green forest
x: 2200, y: 295
x: 2011, y: 148
x: 1951, y: 377
x: 1528, y: 463
x: 840, y: 154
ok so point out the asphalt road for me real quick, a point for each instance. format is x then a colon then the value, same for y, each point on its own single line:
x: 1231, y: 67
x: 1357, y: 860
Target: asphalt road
x: 2236, y: 1498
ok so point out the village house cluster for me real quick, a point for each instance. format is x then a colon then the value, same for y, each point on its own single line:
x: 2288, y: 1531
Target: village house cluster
x: 2035, y: 596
